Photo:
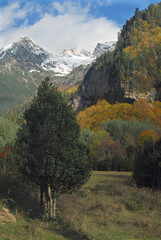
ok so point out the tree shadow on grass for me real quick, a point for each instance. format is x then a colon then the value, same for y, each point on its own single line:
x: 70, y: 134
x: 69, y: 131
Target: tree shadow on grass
x: 125, y: 179
x: 67, y: 230
x: 18, y: 194
x: 73, y: 235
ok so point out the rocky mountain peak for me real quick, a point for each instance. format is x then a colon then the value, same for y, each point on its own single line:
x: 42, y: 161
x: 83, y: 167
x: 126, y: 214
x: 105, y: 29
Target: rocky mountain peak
x: 104, y: 47
x: 27, y: 39
x: 25, y: 42
x: 76, y: 52
x: 30, y: 46
x: 25, y: 51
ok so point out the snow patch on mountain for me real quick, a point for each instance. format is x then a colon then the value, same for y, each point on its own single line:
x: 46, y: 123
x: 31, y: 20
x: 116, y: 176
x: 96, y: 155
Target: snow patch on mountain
x: 33, y: 70
x: 64, y: 63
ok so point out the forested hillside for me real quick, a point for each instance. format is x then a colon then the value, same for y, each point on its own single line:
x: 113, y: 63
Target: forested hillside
x: 133, y: 70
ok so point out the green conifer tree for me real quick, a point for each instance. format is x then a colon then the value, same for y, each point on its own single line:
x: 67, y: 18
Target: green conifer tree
x: 48, y: 147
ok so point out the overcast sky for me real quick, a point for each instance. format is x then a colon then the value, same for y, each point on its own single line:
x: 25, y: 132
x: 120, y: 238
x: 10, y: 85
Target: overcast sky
x: 62, y: 24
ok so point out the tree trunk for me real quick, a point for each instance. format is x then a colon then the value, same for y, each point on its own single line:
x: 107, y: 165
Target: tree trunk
x: 50, y: 203
x: 54, y: 207
x: 47, y: 202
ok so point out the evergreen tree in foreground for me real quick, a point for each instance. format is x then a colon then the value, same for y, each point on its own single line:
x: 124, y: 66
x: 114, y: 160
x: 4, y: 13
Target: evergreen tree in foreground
x: 48, y: 147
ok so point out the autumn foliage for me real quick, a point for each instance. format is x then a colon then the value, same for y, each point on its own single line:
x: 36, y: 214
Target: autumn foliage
x: 121, y: 126
x: 147, y: 135
x: 103, y: 111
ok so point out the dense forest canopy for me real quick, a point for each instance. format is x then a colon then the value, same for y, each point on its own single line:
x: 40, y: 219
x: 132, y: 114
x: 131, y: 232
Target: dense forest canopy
x: 138, y: 52
x: 133, y: 68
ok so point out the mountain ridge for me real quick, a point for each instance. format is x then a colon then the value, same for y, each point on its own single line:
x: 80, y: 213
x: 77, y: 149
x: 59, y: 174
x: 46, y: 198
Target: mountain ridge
x: 34, y: 57
x: 24, y: 64
x: 31, y: 55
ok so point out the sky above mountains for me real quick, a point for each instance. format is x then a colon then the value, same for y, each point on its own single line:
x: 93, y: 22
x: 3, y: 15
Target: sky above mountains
x: 63, y: 24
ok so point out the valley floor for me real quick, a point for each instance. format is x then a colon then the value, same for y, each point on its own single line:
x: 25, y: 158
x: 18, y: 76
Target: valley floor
x: 108, y: 207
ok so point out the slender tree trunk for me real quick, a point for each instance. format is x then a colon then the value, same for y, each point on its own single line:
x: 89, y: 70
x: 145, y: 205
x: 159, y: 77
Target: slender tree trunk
x: 47, y: 202
x: 54, y: 207
x: 50, y: 203
x: 50, y: 200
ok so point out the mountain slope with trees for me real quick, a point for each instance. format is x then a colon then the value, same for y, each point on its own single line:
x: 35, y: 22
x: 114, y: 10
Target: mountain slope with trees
x: 133, y: 70
x: 24, y: 64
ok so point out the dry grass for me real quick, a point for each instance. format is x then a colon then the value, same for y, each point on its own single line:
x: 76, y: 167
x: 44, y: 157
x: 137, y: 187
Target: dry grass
x: 110, y: 207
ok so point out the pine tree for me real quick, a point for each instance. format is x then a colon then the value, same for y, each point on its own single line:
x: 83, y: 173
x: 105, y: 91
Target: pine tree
x: 48, y: 147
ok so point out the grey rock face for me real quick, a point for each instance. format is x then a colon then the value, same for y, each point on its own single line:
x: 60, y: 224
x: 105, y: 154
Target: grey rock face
x: 26, y: 52
x: 98, y: 85
x: 104, y: 47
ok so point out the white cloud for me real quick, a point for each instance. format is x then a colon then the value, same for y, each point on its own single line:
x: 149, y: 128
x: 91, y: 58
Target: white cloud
x: 10, y: 13
x: 73, y: 26
x: 70, y: 7
x: 7, y: 15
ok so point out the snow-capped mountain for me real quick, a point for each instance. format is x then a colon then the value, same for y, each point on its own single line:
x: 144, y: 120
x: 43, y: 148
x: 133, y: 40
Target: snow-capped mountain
x: 103, y: 47
x: 34, y: 58
x: 24, y: 64
x: 25, y: 51
x: 29, y: 54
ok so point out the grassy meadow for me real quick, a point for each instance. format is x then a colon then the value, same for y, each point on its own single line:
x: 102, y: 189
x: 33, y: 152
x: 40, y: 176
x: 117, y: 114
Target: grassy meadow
x: 108, y: 207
